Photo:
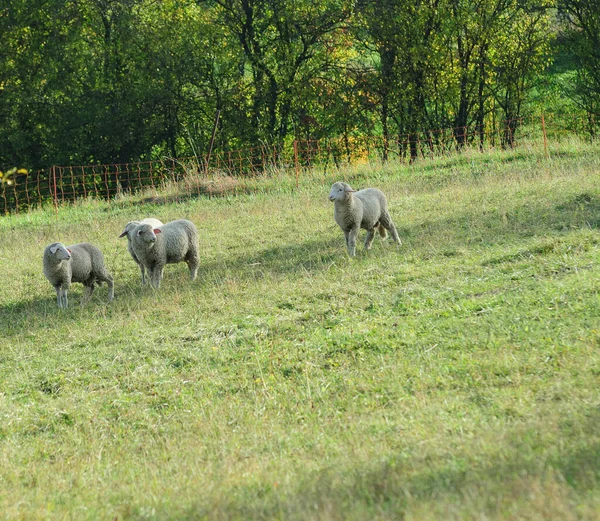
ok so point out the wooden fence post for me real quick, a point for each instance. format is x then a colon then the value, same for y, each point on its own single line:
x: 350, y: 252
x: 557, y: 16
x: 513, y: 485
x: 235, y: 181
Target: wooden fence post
x: 53, y: 191
x: 545, y: 137
x: 296, y: 165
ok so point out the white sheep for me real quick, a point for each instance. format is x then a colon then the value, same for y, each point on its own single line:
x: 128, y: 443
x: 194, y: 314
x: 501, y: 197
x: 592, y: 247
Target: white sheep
x: 363, y: 209
x: 128, y: 232
x: 176, y: 241
x: 81, y: 262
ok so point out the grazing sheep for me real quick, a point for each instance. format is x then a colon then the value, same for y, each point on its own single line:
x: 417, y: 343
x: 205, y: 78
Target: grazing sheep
x: 128, y: 231
x: 363, y: 209
x: 81, y: 262
x: 176, y: 241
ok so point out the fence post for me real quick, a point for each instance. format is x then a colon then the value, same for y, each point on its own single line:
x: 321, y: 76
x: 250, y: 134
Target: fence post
x: 296, y: 166
x: 106, y: 170
x: 83, y: 181
x: 212, y: 140
x: 545, y: 137
x: 53, y: 190
x: 3, y: 186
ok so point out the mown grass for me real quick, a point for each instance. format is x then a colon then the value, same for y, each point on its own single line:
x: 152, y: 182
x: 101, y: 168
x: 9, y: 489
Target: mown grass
x: 453, y: 378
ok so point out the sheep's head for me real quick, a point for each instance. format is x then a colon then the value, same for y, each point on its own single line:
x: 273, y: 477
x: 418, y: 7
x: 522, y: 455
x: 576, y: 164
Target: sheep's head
x: 146, y: 234
x: 340, y: 191
x: 59, y: 251
x: 129, y: 227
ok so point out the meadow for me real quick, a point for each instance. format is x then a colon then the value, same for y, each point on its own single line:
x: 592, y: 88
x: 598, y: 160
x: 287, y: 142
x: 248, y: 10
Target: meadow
x: 455, y: 377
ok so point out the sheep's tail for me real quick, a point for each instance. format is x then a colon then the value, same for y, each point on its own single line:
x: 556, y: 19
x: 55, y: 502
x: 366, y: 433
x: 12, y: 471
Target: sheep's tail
x: 382, y: 230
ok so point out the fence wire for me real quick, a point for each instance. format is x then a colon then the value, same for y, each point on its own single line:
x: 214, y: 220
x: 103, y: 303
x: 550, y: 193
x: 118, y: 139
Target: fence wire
x: 59, y: 185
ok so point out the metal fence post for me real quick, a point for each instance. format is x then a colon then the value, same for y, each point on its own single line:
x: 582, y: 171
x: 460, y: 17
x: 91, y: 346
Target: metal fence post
x: 296, y: 165
x: 545, y: 137
x: 53, y: 190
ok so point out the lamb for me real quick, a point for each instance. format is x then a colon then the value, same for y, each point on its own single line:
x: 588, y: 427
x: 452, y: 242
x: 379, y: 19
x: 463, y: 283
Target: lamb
x: 128, y: 231
x: 363, y: 209
x: 81, y: 262
x: 176, y: 241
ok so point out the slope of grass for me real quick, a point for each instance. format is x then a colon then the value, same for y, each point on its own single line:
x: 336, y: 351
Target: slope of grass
x: 453, y: 378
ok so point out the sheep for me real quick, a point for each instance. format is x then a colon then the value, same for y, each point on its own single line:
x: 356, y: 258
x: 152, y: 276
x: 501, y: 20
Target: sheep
x: 81, y: 262
x: 363, y: 209
x: 176, y: 241
x: 128, y: 232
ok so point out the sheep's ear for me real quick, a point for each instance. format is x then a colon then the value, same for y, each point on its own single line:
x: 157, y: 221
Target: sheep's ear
x: 157, y: 230
x: 69, y: 250
x: 123, y: 234
x: 350, y: 191
x: 53, y: 249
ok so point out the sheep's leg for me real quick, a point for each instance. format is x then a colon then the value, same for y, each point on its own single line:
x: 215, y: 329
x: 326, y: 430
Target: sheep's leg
x: 387, y: 223
x: 111, y: 289
x: 107, y: 277
x: 87, y: 294
x: 351, y: 241
x: 59, y: 296
x: 193, y: 266
x: 394, y: 234
x: 369, y: 239
x: 155, y: 276
x: 143, y: 270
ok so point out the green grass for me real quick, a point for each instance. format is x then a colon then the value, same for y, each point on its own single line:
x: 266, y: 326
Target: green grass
x: 454, y: 378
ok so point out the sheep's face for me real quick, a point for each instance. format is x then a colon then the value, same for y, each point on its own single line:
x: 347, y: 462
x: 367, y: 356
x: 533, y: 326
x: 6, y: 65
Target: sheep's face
x: 129, y: 227
x: 146, y: 234
x: 340, y: 191
x: 60, y: 251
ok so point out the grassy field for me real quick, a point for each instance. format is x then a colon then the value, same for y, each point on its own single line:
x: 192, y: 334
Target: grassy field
x: 454, y: 378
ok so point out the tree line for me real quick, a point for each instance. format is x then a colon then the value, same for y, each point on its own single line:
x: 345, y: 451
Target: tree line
x: 109, y: 81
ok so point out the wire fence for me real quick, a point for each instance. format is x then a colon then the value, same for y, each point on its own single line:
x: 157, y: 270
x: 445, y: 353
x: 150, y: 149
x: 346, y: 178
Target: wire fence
x: 59, y: 185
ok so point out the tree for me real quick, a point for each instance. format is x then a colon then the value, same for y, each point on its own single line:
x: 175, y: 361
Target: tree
x: 520, y: 55
x: 409, y: 61
x: 286, y: 45
x: 581, y: 30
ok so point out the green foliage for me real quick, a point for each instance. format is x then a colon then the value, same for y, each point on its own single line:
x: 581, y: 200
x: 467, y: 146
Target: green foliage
x: 582, y: 32
x: 7, y: 177
x: 454, y: 63
x: 112, y: 81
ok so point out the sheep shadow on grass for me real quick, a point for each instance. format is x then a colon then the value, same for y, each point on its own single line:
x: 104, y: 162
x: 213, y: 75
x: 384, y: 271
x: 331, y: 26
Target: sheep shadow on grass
x: 448, y: 235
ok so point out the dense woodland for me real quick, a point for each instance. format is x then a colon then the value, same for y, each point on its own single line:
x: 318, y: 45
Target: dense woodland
x: 105, y: 81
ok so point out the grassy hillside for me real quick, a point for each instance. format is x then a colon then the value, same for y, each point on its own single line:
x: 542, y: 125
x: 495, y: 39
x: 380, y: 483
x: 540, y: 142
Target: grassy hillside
x: 454, y: 378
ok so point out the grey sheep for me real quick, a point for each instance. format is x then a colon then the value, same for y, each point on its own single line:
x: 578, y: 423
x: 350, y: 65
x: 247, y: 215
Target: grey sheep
x: 363, y: 209
x: 176, y: 241
x: 128, y: 232
x: 81, y: 262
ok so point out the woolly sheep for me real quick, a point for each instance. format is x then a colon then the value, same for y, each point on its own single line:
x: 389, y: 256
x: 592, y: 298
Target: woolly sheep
x: 176, y: 241
x: 81, y: 262
x: 363, y: 209
x: 128, y: 232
